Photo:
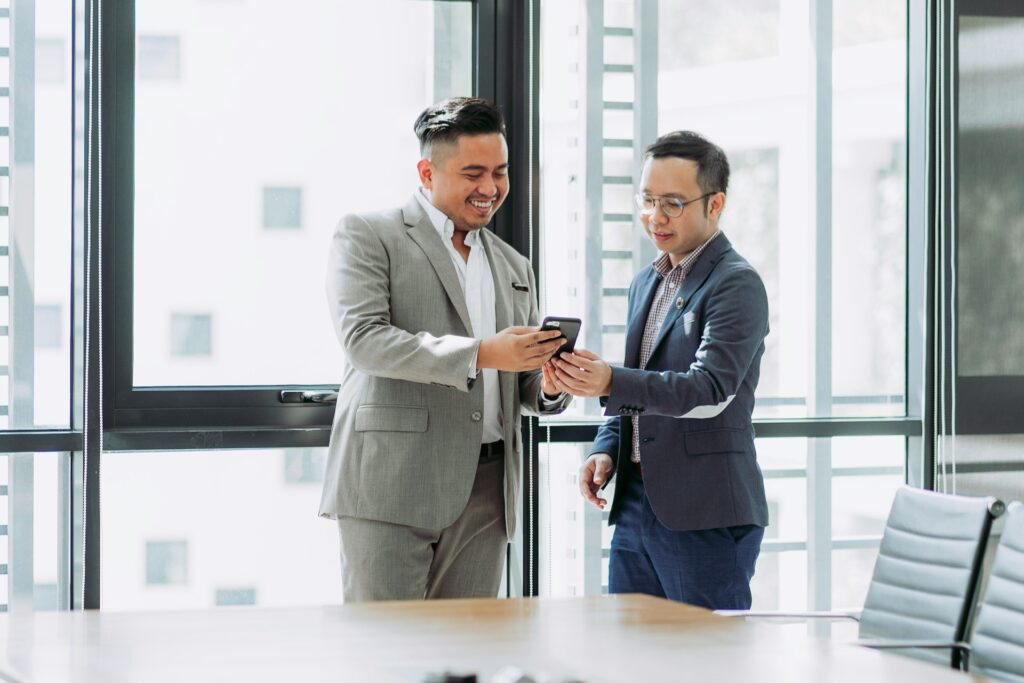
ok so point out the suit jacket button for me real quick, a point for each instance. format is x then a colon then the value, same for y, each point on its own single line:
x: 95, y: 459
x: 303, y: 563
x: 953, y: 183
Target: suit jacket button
x: 476, y: 416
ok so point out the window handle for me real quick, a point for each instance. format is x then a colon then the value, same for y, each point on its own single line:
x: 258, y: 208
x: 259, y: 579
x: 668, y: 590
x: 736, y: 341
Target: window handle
x: 299, y: 396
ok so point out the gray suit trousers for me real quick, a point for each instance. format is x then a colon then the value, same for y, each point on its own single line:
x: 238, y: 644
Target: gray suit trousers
x: 385, y: 561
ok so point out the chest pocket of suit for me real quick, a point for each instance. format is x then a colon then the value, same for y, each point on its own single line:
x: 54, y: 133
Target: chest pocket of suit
x: 520, y: 307
x: 390, y: 418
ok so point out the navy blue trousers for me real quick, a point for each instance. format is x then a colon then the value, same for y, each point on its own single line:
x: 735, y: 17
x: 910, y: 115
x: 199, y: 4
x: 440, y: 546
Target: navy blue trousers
x: 711, y: 567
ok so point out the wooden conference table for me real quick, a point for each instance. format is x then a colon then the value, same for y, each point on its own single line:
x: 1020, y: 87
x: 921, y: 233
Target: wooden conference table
x: 630, y: 638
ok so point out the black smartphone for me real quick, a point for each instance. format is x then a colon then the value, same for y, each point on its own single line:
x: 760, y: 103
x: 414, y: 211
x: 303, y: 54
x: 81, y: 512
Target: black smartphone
x: 569, y: 327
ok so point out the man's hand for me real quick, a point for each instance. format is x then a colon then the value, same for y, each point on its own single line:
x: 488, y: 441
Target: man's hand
x: 593, y: 475
x: 549, y: 384
x: 582, y: 373
x: 516, y: 349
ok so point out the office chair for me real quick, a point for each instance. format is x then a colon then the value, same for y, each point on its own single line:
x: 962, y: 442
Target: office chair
x: 997, y: 645
x: 926, y: 575
x: 996, y: 649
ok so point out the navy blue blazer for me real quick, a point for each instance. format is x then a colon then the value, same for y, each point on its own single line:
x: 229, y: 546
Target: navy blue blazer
x: 696, y: 396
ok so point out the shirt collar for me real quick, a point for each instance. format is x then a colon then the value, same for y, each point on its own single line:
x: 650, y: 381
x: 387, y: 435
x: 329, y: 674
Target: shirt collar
x: 444, y: 226
x: 663, y: 264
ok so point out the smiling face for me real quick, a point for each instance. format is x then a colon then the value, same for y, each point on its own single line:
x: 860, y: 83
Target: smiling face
x: 467, y: 179
x: 676, y: 177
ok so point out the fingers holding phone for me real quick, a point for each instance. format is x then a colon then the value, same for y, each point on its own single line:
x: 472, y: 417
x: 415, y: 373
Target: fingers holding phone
x: 583, y: 373
x: 517, y: 349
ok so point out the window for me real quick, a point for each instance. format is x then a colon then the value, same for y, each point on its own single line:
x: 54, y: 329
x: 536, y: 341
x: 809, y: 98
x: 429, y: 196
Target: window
x: 37, y: 148
x: 234, y: 596
x: 51, y: 61
x: 191, y: 334
x: 989, y: 231
x: 33, y: 531
x: 213, y: 521
x: 166, y: 563
x: 159, y: 57
x: 224, y: 179
x: 846, y: 517
x: 41, y: 146
x: 282, y: 207
x: 49, y: 326
x: 815, y: 131
x: 45, y: 597
x: 304, y: 465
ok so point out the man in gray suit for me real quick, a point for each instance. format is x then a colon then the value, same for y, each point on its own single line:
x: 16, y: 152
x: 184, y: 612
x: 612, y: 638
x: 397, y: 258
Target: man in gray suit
x: 437, y: 319
x: 689, y: 505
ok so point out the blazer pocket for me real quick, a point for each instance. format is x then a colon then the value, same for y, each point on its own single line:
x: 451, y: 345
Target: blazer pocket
x: 718, y: 441
x: 388, y: 418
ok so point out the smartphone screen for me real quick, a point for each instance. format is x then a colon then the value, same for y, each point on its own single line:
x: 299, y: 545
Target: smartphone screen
x: 569, y: 327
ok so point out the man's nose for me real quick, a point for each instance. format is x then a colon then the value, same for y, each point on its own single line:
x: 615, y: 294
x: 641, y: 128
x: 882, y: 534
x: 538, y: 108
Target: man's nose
x: 487, y: 187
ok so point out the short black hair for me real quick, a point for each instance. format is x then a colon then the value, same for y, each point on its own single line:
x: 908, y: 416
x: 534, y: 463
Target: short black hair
x: 712, y: 164
x: 449, y: 119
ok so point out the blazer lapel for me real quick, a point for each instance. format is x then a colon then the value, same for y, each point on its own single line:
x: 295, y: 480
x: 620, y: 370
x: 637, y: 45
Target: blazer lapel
x: 638, y: 317
x: 423, y: 232
x: 706, y: 263
x: 501, y: 273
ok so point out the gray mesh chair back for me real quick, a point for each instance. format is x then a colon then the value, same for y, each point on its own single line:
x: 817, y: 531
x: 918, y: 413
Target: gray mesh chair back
x: 997, y: 646
x: 927, y: 569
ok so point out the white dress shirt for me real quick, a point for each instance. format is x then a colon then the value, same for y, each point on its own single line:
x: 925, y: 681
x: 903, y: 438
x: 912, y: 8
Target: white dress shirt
x: 478, y: 286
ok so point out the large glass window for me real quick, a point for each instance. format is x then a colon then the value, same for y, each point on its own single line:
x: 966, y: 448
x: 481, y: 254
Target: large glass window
x: 989, y: 211
x: 983, y: 310
x: 206, y: 528
x: 845, y: 520
x: 34, y: 531
x: 40, y: 173
x: 36, y: 143
x: 745, y: 84
x: 814, y: 124
x: 251, y: 122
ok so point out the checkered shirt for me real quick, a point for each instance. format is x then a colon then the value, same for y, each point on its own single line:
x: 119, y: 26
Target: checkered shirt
x: 671, y: 280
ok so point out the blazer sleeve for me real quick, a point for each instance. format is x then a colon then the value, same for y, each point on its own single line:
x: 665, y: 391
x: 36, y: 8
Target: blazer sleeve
x: 607, y: 439
x: 359, y: 295
x: 735, y: 325
x: 530, y: 381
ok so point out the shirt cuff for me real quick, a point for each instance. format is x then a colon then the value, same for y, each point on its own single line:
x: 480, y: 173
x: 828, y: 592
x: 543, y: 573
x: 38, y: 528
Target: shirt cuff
x: 546, y: 402
x: 472, y: 369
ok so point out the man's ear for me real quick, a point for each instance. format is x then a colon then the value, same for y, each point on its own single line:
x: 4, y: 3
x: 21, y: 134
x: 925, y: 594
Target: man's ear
x: 717, y: 205
x: 426, y: 172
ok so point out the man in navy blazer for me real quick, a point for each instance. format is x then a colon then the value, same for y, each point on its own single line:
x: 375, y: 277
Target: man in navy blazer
x: 689, y: 504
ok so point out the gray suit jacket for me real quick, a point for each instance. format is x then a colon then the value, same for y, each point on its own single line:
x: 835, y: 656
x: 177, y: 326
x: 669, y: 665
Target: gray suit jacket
x: 408, y: 423
x: 695, y: 397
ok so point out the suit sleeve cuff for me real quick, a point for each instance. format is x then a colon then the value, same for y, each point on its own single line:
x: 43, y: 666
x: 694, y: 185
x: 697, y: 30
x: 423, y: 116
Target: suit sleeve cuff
x: 547, y: 403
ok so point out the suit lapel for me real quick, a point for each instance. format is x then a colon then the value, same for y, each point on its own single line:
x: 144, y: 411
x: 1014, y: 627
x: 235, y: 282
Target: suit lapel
x: 706, y: 263
x: 501, y: 273
x: 638, y: 315
x: 423, y: 232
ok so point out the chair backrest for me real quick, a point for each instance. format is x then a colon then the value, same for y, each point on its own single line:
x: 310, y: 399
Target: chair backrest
x: 927, y: 569
x: 997, y: 646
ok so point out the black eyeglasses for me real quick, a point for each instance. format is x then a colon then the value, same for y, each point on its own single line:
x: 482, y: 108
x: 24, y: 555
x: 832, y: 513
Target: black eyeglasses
x: 670, y: 206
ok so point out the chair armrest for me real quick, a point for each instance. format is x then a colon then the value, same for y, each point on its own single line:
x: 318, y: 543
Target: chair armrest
x: 770, y: 614
x: 885, y: 644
